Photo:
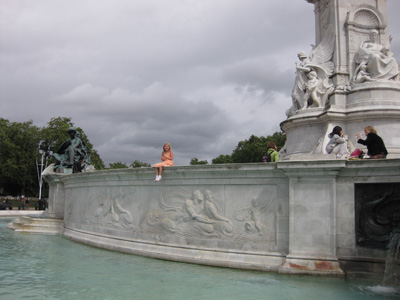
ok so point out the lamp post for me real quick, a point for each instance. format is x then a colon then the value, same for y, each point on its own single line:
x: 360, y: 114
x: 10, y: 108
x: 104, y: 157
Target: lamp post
x: 45, y: 153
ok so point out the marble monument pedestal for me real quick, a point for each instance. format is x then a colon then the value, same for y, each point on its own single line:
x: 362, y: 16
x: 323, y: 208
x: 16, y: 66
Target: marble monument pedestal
x: 374, y: 104
x: 295, y: 216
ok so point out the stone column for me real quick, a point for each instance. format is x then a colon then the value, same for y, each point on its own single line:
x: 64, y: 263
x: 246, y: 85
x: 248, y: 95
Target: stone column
x: 362, y: 94
x: 312, y: 218
x: 56, y: 199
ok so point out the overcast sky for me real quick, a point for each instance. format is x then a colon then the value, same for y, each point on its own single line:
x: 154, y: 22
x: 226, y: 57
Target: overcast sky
x: 200, y: 74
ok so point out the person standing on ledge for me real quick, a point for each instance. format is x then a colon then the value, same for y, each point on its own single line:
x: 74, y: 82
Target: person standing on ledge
x: 167, y: 157
x: 272, y: 153
x: 375, y: 145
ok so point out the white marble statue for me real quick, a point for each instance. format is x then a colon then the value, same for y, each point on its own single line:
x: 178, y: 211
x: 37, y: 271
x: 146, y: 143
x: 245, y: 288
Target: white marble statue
x: 299, y: 83
x: 313, y: 90
x: 374, y: 61
x: 312, y: 84
x: 362, y: 75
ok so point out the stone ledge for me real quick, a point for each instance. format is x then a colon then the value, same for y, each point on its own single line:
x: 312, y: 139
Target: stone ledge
x: 179, y: 254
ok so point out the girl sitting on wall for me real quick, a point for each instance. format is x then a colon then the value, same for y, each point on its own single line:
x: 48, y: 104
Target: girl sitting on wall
x: 167, y: 157
x: 337, y: 143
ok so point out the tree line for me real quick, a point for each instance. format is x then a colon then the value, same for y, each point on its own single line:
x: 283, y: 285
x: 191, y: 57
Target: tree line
x: 20, y: 143
x: 247, y: 151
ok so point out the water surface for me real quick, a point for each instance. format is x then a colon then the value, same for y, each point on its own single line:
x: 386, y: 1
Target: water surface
x: 52, y: 267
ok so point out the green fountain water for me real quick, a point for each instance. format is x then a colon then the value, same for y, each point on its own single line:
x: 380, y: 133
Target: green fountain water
x: 52, y: 267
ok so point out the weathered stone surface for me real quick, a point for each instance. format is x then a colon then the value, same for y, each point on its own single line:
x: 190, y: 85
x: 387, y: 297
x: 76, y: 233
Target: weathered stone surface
x: 355, y: 102
x: 290, y: 216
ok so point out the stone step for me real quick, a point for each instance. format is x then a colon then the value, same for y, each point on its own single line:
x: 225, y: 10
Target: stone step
x: 41, y: 221
x: 28, y: 224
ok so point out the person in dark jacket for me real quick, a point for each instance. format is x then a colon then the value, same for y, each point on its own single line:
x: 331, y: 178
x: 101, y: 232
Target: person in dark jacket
x: 375, y: 145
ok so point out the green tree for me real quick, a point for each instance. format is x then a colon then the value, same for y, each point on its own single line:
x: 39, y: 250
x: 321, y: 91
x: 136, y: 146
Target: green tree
x: 252, y: 150
x: 118, y: 165
x: 55, y: 133
x: 139, y: 164
x: 278, y: 138
x: 19, y: 145
x: 18, y: 155
x: 223, y: 159
x: 195, y: 161
x: 95, y: 159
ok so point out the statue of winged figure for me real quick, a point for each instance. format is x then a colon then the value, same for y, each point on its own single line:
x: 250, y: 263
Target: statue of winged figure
x: 255, y: 215
x: 312, y: 85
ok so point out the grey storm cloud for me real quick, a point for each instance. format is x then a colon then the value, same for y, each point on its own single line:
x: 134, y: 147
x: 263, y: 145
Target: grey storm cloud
x: 146, y: 119
x: 202, y: 75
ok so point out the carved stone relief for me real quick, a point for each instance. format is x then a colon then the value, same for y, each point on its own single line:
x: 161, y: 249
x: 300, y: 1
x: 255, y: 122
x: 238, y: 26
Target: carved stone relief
x: 258, y: 219
x: 200, y: 213
x: 370, y: 56
x: 107, y: 209
x: 196, y: 214
x: 374, y: 61
x: 377, y: 213
x: 366, y: 18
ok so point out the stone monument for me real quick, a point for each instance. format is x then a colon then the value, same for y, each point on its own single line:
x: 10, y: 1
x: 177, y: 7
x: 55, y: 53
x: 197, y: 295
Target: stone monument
x: 328, y: 217
x: 350, y: 78
x: 73, y: 155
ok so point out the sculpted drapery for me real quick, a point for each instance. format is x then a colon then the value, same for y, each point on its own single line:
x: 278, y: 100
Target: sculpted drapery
x: 374, y: 61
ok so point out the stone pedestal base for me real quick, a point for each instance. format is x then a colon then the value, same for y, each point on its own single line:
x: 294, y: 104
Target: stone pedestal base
x: 41, y: 225
x: 294, y: 217
x: 374, y: 104
x: 63, y: 170
x: 309, y: 266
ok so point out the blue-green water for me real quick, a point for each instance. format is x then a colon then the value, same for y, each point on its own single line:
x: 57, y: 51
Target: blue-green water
x: 52, y: 267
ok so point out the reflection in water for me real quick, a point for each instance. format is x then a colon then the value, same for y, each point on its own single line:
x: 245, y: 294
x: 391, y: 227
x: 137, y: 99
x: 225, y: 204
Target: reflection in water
x: 52, y: 267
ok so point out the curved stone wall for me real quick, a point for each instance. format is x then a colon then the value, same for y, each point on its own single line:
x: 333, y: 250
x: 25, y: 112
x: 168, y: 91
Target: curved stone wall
x: 291, y: 216
x: 227, y: 215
